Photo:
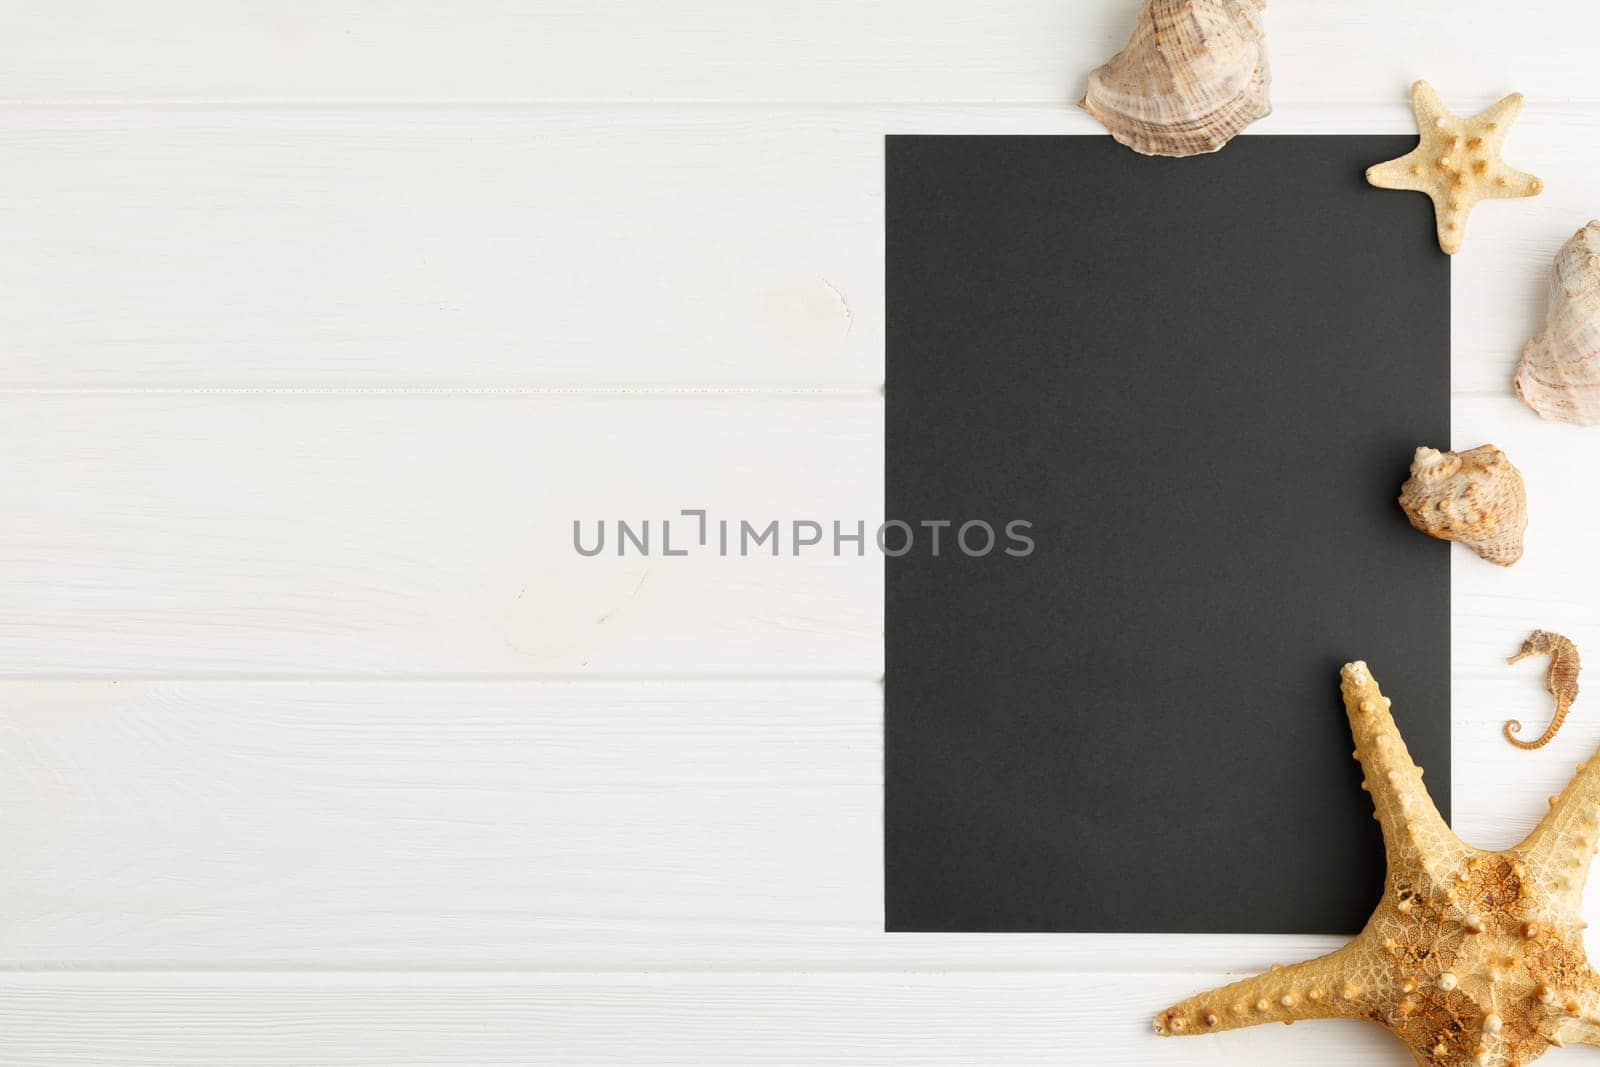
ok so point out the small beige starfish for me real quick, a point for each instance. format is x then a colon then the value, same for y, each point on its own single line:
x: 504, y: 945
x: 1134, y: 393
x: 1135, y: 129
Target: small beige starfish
x: 1457, y: 162
x: 1472, y: 958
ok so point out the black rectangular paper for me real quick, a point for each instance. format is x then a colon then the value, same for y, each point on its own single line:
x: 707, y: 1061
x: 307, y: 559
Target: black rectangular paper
x: 1201, y: 380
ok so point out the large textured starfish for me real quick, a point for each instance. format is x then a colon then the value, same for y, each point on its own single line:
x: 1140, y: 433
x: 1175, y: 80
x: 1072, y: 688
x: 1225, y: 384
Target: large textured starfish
x: 1472, y: 958
x: 1457, y: 163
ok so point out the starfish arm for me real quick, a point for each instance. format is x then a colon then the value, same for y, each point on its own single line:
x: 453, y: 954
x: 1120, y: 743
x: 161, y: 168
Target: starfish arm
x: 1426, y: 104
x: 1450, y: 220
x: 1407, y: 172
x: 1340, y: 985
x: 1559, y: 849
x: 1496, y: 120
x: 1414, y: 833
x: 1509, y: 182
x: 1577, y: 1016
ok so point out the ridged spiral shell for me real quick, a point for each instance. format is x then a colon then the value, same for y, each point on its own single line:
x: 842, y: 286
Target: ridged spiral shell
x: 1193, y: 75
x: 1559, y: 376
x: 1474, y: 497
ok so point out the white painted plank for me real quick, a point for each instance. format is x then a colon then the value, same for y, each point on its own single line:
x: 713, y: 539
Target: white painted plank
x: 1034, y: 51
x: 1500, y: 792
x: 604, y: 247
x: 406, y: 535
x: 279, y: 1020
x: 1555, y: 586
x: 560, y: 827
x: 377, y: 250
x: 556, y: 826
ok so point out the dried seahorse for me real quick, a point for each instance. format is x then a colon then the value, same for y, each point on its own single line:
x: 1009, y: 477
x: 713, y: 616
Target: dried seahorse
x: 1561, y: 679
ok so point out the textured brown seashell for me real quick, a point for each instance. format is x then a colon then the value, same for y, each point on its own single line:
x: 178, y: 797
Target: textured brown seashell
x: 1474, y: 497
x: 1193, y: 75
x: 1559, y: 376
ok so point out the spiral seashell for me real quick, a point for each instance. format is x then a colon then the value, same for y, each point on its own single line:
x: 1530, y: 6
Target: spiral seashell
x: 1193, y: 75
x: 1474, y: 497
x: 1559, y: 376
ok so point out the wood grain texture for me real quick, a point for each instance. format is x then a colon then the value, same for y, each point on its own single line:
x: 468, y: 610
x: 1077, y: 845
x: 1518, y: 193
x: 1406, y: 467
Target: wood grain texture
x: 553, y: 827
x: 297, y: 816
x: 855, y: 1020
x: 1553, y: 587
x: 706, y: 247
x: 434, y: 248
x: 1033, y: 51
x: 428, y: 535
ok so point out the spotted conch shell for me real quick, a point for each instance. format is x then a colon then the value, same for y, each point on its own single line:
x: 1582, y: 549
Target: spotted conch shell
x: 1194, y: 74
x: 1473, y: 497
x: 1559, y: 376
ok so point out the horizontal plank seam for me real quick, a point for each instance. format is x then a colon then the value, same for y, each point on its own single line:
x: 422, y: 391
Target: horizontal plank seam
x: 1396, y: 101
x: 820, y: 391
x: 799, y: 970
x: 844, y: 391
x: 447, y: 678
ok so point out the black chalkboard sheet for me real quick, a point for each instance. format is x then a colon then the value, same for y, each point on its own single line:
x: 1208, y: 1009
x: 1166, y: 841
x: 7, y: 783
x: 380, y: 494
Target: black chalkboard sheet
x: 1200, y: 381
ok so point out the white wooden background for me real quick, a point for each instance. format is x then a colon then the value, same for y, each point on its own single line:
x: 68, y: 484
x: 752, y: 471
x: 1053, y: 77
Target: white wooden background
x: 318, y: 324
